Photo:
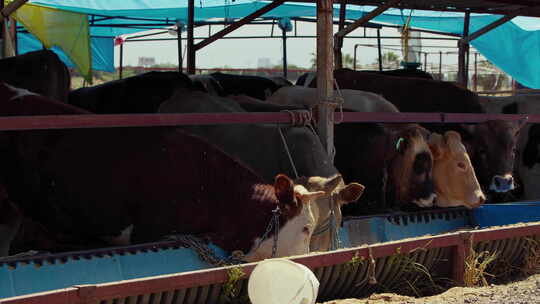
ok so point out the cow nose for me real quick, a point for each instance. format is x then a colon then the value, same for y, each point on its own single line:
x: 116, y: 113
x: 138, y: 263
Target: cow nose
x: 481, y: 199
x: 502, y: 183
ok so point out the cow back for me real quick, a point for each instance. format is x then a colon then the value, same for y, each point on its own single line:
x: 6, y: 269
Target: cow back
x: 138, y: 94
x: 41, y: 72
x: 410, y: 73
x: 253, y: 86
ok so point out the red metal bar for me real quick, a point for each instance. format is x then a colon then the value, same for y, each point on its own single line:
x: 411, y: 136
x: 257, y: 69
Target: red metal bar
x: 479, y: 118
x: 67, y: 295
x: 506, y: 233
x: 13, y: 123
x: 136, y: 120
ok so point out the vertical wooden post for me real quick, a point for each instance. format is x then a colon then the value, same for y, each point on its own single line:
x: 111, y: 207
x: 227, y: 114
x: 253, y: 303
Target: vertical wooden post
x: 476, y: 72
x: 425, y: 61
x: 179, y: 47
x: 440, y: 65
x: 190, y: 40
x: 15, y: 36
x: 463, y: 52
x: 379, y: 49
x: 325, y: 75
x: 354, y: 57
x: 121, y: 68
x: 284, y: 38
x: 2, y: 38
x: 338, y: 55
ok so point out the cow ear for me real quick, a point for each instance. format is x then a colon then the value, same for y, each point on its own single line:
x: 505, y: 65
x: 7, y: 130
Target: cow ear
x: 437, y: 145
x: 305, y: 196
x: 351, y: 193
x: 452, y: 136
x: 331, y: 183
x: 284, y: 188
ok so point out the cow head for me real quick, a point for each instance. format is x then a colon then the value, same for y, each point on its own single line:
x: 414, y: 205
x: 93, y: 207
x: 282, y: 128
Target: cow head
x: 327, y: 208
x: 492, y: 147
x: 410, y: 167
x: 296, y: 221
x: 453, y: 173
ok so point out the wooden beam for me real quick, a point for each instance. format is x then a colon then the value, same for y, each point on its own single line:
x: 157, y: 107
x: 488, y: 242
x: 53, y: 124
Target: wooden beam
x: 10, y: 8
x: 325, y: 75
x: 284, y: 41
x: 462, y: 52
x: 241, y: 22
x: 338, y: 44
x: 2, y: 35
x: 121, y: 68
x: 179, y: 48
x: 376, y: 12
x: 489, y: 27
x: 190, y: 41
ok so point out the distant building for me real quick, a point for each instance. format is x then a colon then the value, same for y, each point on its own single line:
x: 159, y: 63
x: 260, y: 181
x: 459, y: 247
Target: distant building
x: 264, y: 62
x: 147, y: 61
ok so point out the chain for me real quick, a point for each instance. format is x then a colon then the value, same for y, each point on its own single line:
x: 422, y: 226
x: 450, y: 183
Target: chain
x: 275, y: 216
x: 274, y: 223
x: 201, y: 248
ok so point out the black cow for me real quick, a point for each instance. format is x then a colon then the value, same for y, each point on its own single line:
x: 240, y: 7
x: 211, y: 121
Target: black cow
x: 253, y: 86
x: 41, y: 72
x: 138, y: 94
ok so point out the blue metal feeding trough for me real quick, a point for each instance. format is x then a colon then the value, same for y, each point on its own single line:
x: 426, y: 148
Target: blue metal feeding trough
x: 505, y: 214
x: 357, y: 231
x: 49, y: 272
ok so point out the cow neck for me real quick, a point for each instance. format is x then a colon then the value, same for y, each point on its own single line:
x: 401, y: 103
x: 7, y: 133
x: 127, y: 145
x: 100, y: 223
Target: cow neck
x: 253, y: 222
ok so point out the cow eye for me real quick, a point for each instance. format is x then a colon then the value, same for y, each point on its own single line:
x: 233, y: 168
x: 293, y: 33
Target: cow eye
x: 305, y: 230
x: 462, y: 165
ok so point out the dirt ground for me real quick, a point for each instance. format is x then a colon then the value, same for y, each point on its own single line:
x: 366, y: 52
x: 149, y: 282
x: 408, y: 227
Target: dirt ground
x: 525, y: 291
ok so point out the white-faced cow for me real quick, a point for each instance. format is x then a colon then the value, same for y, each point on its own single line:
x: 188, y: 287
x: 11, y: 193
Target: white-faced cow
x: 267, y: 153
x: 94, y: 183
x: 490, y: 145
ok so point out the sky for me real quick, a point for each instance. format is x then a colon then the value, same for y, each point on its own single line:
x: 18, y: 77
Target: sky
x: 244, y: 53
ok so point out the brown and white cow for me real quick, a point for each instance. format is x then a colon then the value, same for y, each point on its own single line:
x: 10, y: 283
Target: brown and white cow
x: 40, y: 71
x: 266, y: 153
x: 490, y: 145
x: 385, y: 179
x: 96, y: 182
x: 453, y: 174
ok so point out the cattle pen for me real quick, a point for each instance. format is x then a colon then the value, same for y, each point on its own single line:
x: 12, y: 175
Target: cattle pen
x: 350, y: 272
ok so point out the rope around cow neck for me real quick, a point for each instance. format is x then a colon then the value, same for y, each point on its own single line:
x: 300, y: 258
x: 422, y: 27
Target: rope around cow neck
x: 330, y: 223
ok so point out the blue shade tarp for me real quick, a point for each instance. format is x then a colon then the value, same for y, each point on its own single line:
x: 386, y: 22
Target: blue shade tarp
x: 510, y: 47
x: 102, y: 51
